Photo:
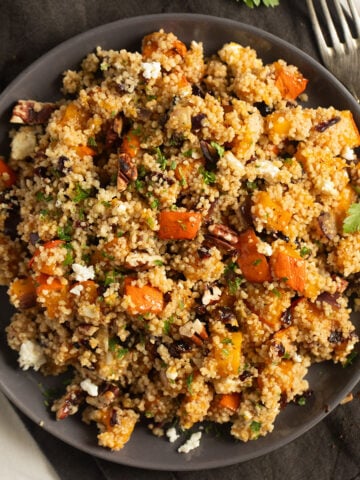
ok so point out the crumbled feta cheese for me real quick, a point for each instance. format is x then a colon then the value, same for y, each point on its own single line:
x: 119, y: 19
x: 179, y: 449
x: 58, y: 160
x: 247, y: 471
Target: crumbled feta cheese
x: 172, y: 434
x: 328, y: 186
x: 234, y: 163
x: 31, y: 355
x: 190, y: 328
x: 83, y: 273
x: 89, y: 387
x: 348, y: 153
x: 151, y: 70
x: 193, y: 442
x: 23, y: 143
x: 264, y: 248
x: 171, y: 373
x: 267, y: 169
x: 77, y: 289
x: 297, y: 358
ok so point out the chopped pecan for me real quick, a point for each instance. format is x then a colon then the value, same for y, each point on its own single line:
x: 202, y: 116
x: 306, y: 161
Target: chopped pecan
x: 223, y: 233
x: 31, y: 112
x: 211, y: 295
x: 69, y: 403
x: 127, y: 171
x: 327, y: 225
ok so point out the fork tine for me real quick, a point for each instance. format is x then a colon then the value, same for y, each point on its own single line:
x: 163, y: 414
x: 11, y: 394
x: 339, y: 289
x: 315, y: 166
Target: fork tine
x: 344, y: 25
x: 355, y: 16
x: 330, y: 24
x: 317, y: 29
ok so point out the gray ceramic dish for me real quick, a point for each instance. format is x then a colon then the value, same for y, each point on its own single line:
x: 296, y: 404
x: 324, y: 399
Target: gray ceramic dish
x: 330, y: 382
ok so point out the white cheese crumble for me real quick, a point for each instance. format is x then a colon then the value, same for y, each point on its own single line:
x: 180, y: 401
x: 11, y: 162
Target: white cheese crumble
x: 190, y: 328
x: 193, y: 442
x: 171, y: 373
x: 172, y: 434
x: 151, y: 69
x: 328, y: 186
x: 267, y: 169
x: 83, y: 273
x: 77, y: 289
x: 31, y: 355
x: 89, y: 387
x: 264, y: 248
x: 23, y: 143
x: 234, y: 163
x: 348, y: 153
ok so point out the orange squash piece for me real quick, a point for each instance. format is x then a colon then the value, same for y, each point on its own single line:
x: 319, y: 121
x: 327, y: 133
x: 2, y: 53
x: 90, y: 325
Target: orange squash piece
x: 254, y: 265
x: 179, y: 225
x: 146, y: 299
x: 287, y: 265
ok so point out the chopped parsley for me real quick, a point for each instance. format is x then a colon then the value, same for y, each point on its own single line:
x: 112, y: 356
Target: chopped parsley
x: 304, y: 252
x: 167, y: 325
x: 226, y: 341
x: 301, y: 401
x: 234, y: 284
x: 91, y: 142
x: 350, y: 358
x: 189, y: 381
x: 219, y: 149
x: 255, y: 426
x: 276, y: 292
x: 352, y: 221
x: 161, y: 159
x: 251, y: 186
x: 40, y: 196
x: 65, y: 232
x: 114, y: 347
x: 257, y: 262
x: 188, y: 153
x: 209, y: 177
x: 158, y: 263
x: 81, y: 193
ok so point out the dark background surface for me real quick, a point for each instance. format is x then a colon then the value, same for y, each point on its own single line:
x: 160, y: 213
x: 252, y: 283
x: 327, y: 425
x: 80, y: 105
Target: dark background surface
x: 28, y: 29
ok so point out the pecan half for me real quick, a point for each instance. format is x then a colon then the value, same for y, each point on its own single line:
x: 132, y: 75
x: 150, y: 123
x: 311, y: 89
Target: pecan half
x: 30, y: 112
x: 212, y: 241
x: 223, y: 233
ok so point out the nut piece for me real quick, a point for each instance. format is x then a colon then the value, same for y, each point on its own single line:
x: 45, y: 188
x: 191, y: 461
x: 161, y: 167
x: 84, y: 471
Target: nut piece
x: 30, y: 112
x: 127, y: 171
x: 211, y: 295
x: 69, y: 403
x: 223, y: 233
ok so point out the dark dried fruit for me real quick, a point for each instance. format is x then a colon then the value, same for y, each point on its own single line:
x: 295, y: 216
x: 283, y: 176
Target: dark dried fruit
x: 245, y: 375
x: 211, y: 155
x: 263, y: 108
x: 329, y: 298
x: 177, y: 348
x: 335, y: 336
x: 196, y: 121
x: 321, y: 127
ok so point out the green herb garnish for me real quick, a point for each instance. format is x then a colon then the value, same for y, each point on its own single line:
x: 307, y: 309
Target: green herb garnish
x: 352, y: 221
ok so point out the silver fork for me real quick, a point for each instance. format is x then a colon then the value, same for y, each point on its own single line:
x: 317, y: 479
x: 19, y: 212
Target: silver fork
x: 342, y: 59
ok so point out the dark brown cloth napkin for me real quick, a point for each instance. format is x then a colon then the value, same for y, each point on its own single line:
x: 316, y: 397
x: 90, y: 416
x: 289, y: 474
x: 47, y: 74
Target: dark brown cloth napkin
x: 28, y: 29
